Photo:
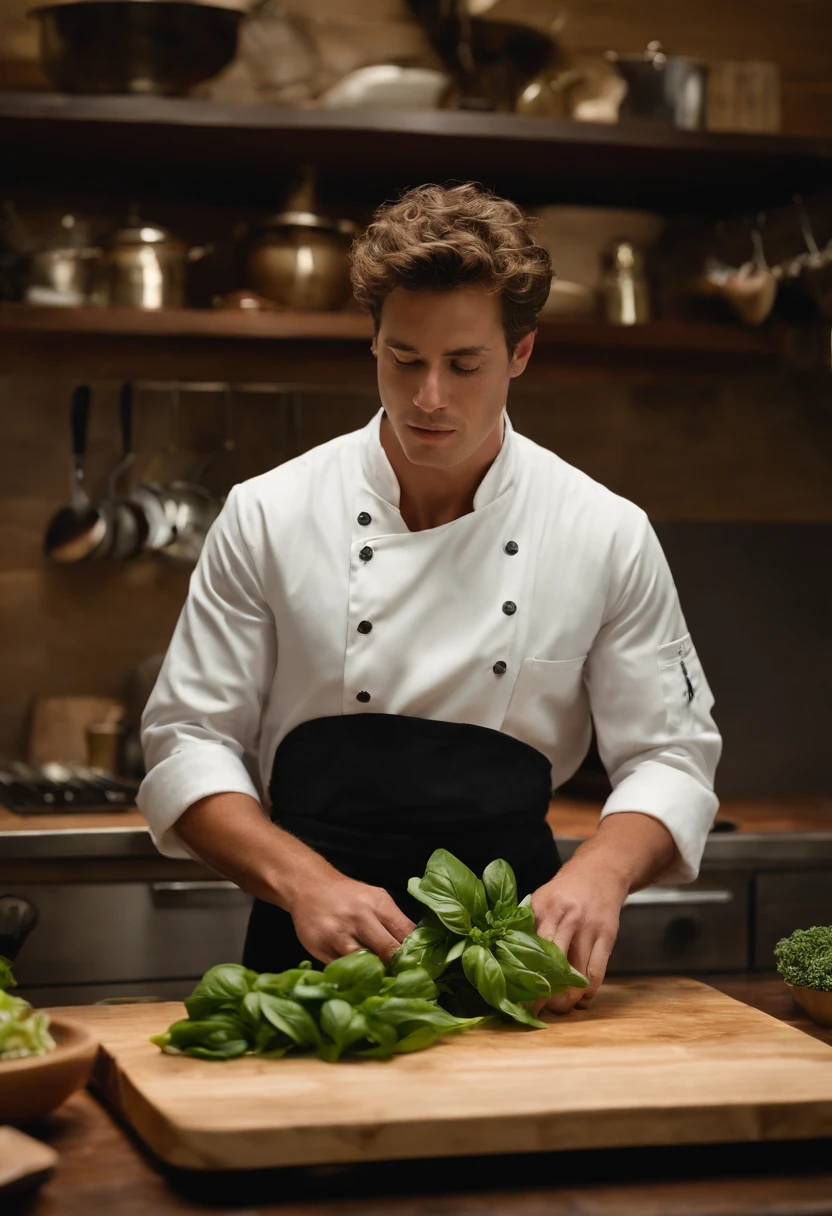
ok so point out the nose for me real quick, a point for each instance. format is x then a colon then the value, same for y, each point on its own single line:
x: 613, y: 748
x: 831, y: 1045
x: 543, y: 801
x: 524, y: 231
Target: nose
x: 428, y: 396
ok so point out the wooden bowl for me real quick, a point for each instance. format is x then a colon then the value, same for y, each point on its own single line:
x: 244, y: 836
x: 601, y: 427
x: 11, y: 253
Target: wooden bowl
x: 818, y: 1005
x: 31, y: 1087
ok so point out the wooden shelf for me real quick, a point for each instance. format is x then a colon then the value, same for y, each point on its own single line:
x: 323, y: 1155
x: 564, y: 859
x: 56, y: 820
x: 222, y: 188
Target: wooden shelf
x: 324, y: 348
x: 203, y: 150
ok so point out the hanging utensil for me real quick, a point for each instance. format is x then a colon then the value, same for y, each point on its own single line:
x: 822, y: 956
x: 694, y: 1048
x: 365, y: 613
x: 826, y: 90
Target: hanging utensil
x: 128, y: 524
x: 177, y: 514
x: 749, y: 290
x: 752, y: 290
x: 76, y: 531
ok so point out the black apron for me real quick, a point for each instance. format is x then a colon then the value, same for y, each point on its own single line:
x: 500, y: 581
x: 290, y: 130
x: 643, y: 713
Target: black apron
x: 375, y: 794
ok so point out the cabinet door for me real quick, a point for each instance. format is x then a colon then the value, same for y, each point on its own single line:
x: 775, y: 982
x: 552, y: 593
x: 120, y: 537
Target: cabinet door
x: 700, y: 927
x: 90, y: 933
x: 785, y: 901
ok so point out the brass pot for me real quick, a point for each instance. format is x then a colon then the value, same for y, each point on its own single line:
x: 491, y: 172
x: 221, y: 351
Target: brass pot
x: 144, y: 266
x: 300, y: 260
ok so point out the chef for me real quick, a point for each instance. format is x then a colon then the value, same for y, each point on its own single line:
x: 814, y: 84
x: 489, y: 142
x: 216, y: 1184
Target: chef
x: 400, y: 640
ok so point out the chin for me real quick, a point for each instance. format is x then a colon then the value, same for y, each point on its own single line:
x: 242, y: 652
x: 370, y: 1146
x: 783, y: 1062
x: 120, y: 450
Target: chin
x: 429, y: 457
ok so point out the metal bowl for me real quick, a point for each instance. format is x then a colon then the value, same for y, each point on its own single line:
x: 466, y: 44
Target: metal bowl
x: 135, y: 46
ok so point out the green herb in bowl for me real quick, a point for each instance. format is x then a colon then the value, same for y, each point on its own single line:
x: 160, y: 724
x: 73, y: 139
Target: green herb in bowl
x: 23, y: 1032
x: 804, y: 959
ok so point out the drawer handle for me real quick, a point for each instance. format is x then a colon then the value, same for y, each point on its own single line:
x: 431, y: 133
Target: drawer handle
x: 207, y: 894
x: 673, y: 895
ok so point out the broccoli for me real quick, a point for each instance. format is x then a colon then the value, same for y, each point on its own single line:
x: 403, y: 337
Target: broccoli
x: 805, y: 958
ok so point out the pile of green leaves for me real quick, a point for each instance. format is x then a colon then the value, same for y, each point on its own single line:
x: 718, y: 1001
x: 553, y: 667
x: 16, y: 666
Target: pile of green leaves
x: 478, y: 925
x: 22, y: 1031
x: 351, y: 1008
x: 475, y: 951
x: 805, y: 958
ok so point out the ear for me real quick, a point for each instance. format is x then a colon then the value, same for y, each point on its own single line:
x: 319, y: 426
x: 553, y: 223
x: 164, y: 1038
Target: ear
x: 522, y: 354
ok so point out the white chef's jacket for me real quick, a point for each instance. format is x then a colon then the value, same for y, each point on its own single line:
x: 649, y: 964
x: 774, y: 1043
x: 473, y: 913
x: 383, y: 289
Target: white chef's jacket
x: 548, y: 606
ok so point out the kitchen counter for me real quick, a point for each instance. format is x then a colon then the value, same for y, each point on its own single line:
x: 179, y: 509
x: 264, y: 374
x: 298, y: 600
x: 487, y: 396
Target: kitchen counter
x: 102, y: 1168
x: 777, y: 831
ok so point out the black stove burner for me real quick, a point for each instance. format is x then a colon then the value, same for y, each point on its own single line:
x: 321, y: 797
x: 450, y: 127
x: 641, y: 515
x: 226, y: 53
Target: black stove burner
x: 47, y: 789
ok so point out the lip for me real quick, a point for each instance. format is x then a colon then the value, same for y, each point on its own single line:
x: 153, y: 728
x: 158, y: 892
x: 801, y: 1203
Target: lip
x: 430, y: 435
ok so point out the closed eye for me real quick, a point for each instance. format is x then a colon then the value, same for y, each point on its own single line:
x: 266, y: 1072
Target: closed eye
x: 410, y: 364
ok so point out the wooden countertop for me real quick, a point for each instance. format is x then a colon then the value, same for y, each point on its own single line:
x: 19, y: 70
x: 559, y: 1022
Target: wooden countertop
x: 567, y: 817
x: 102, y: 1168
x: 573, y: 818
x: 74, y: 821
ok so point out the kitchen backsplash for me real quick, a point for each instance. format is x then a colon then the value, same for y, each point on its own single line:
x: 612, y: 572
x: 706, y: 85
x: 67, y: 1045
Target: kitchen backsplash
x: 693, y: 451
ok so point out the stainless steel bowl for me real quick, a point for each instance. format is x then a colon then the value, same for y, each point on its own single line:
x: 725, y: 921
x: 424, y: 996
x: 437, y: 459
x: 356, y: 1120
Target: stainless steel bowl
x: 135, y: 46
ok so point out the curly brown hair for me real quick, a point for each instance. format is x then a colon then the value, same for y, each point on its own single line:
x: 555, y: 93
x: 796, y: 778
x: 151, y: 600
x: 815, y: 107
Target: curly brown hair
x: 441, y: 237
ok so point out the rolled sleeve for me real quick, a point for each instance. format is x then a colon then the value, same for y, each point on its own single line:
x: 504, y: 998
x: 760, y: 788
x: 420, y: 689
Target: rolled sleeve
x: 651, y: 703
x: 202, y: 722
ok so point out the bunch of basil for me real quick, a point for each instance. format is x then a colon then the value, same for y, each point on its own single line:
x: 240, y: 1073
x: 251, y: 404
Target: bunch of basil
x: 477, y: 940
x: 479, y: 925
x: 352, y: 1007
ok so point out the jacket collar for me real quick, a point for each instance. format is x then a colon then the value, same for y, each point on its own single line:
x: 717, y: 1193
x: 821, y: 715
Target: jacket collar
x: 381, y: 479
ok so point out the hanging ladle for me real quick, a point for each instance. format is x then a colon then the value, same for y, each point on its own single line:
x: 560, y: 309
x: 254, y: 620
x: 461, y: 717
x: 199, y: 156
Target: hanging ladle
x: 78, y: 528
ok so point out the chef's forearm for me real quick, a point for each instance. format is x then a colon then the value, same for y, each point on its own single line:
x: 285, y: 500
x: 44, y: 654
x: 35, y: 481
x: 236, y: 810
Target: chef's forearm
x: 232, y: 834
x: 635, y: 846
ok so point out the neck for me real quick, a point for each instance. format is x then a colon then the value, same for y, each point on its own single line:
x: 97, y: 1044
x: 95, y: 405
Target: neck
x: 431, y: 497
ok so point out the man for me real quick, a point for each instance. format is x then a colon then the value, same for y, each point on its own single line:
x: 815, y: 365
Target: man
x: 400, y: 640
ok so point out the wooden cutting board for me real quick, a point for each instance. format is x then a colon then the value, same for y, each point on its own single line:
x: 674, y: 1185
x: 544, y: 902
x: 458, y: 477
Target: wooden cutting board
x: 655, y: 1061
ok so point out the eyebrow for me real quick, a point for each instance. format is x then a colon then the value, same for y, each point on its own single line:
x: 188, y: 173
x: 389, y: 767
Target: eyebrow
x: 460, y: 352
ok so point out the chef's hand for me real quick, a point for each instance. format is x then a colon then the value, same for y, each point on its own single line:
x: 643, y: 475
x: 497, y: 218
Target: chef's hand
x: 579, y: 909
x: 340, y: 915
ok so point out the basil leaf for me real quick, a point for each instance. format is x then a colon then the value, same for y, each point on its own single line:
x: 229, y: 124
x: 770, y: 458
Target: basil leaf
x: 231, y: 1050
x: 518, y: 918
x: 519, y: 1014
x: 427, y: 947
x: 356, y: 976
x: 452, y: 891
x: 274, y: 1049
x: 417, y: 1040
x: 521, y: 984
x: 381, y: 1033
x: 500, y: 884
x: 222, y: 987
x: 221, y: 1035
x: 413, y: 983
x: 313, y: 992
x: 536, y: 954
x: 577, y: 979
x: 281, y: 983
x: 400, y: 1011
x: 291, y: 1019
x: 484, y: 972
x: 250, y: 1012
x: 271, y: 1044
x: 456, y: 951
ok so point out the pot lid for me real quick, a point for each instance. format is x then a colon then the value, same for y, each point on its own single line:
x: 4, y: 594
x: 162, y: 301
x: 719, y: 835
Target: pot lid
x: 308, y: 219
x: 143, y: 234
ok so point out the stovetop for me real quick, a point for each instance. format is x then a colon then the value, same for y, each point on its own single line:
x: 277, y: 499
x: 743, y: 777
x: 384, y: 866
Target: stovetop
x: 48, y: 789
